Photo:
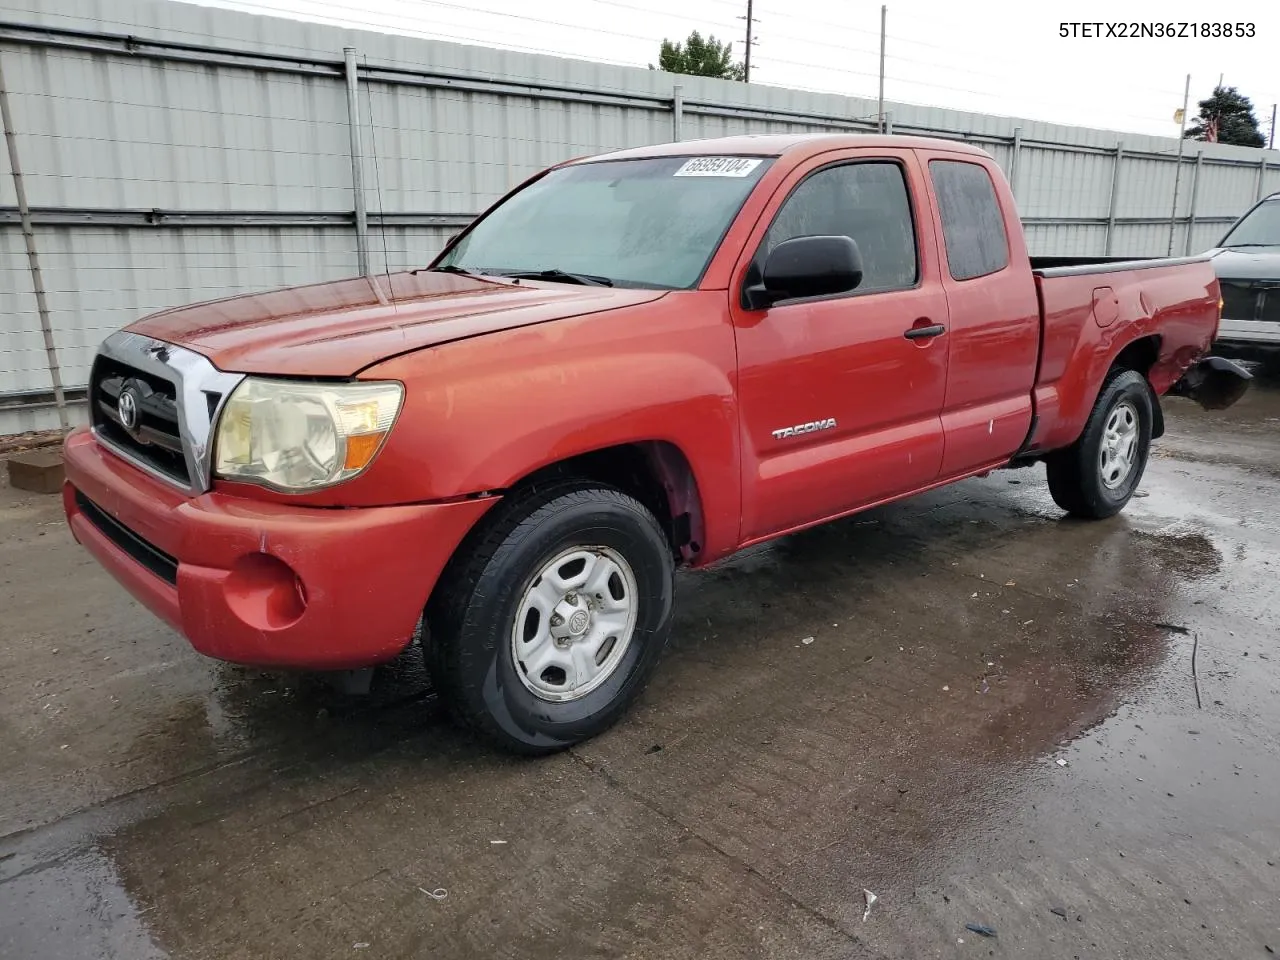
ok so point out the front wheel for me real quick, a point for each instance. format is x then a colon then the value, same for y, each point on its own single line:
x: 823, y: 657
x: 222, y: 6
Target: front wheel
x: 1097, y: 475
x: 552, y: 618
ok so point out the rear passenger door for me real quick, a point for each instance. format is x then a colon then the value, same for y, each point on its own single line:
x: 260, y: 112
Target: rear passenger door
x: 866, y: 396
x: 994, y: 309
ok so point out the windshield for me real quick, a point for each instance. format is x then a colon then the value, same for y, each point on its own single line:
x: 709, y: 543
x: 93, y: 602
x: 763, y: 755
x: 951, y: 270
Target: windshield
x: 643, y: 223
x: 1259, y: 228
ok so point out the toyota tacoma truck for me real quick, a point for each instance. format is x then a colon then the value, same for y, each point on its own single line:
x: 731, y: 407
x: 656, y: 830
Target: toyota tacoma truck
x: 630, y: 363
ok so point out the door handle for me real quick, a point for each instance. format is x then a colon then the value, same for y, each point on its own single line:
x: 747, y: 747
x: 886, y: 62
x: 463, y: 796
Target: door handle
x: 924, y: 333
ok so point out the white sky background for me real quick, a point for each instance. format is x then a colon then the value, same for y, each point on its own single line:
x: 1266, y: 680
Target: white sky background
x: 994, y: 56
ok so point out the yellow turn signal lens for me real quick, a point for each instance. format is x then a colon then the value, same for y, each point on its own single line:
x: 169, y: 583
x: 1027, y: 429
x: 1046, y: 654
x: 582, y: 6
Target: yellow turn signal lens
x: 362, y: 449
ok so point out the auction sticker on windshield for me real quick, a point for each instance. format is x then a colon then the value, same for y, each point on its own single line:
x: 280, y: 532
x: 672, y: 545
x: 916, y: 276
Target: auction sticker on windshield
x: 717, y: 167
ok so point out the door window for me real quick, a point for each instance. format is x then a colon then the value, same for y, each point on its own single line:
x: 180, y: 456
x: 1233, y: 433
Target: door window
x: 867, y: 201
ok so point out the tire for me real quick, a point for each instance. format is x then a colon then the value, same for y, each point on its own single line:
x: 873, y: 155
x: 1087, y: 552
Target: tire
x: 508, y: 575
x: 1083, y: 479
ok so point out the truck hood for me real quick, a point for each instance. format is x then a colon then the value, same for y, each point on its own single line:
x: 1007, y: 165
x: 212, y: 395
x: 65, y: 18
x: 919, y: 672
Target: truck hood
x: 337, y: 329
x: 1246, y: 263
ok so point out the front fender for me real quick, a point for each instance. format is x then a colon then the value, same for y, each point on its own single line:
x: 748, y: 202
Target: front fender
x: 482, y: 414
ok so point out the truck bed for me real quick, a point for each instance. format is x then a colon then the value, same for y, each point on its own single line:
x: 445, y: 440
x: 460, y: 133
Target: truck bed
x: 1164, y: 309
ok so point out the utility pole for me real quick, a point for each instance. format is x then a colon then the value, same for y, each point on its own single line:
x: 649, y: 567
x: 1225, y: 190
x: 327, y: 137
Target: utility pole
x: 1271, y: 145
x: 1177, y: 176
x: 880, y: 112
x: 746, y: 60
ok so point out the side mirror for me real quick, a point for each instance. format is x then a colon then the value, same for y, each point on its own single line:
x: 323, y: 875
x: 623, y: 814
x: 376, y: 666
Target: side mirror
x: 807, y: 267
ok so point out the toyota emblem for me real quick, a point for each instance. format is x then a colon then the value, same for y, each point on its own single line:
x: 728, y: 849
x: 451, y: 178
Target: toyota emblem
x: 128, y: 409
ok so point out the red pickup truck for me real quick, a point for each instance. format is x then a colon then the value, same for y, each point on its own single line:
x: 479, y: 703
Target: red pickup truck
x: 631, y: 362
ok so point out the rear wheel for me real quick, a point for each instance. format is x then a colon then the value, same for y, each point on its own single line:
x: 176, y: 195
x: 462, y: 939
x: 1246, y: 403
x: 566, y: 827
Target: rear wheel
x: 1097, y: 475
x: 552, y: 618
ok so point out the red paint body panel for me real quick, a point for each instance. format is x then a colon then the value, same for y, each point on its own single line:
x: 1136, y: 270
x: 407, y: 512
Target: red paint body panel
x: 481, y: 414
x: 994, y: 337
x: 504, y: 378
x: 1177, y: 303
x: 891, y: 498
x: 366, y: 573
x: 335, y: 329
x: 845, y: 358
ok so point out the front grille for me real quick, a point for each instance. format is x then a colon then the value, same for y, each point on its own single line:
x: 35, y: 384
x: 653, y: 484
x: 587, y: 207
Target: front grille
x: 1250, y: 300
x: 154, y: 437
x: 153, y: 558
x: 1270, y: 305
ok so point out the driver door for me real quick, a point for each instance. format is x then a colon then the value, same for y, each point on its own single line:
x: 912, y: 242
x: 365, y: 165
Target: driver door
x: 848, y: 370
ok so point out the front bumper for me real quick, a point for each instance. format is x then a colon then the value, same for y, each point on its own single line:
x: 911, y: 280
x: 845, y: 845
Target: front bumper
x: 263, y: 583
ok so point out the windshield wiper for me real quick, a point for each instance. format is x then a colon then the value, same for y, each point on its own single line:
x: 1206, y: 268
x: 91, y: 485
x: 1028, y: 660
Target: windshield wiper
x: 1240, y: 246
x: 454, y: 268
x: 559, y: 276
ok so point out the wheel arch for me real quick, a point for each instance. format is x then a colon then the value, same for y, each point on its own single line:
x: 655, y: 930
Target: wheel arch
x: 1140, y: 355
x: 656, y: 472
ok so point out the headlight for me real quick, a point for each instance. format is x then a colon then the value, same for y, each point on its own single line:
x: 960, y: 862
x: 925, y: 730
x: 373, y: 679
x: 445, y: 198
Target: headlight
x: 295, y: 436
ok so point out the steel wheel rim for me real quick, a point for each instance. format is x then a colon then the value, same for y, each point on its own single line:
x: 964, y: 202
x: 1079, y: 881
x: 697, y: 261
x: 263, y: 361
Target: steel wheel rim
x: 575, y: 622
x: 1119, y: 451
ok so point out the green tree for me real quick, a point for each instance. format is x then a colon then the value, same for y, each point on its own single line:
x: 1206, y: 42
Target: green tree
x: 1227, y: 117
x: 700, y: 58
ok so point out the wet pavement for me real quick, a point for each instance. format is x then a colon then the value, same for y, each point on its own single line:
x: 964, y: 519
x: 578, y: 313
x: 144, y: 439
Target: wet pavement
x: 1066, y: 732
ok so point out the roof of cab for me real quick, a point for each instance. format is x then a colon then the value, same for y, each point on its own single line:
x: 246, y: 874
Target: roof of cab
x: 777, y: 145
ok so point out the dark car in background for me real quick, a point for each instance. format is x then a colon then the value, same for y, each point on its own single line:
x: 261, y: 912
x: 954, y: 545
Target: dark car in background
x: 1247, y: 262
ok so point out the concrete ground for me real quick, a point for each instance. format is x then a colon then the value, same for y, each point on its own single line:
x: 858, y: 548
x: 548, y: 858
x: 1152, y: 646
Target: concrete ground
x: 1066, y: 732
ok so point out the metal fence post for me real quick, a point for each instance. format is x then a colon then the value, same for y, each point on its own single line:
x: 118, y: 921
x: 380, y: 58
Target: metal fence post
x: 1195, y: 193
x: 677, y: 113
x: 33, y: 256
x: 1013, y: 161
x: 888, y: 121
x: 1115, y: 196
x: 357, y: 160
x: 1262, y: 178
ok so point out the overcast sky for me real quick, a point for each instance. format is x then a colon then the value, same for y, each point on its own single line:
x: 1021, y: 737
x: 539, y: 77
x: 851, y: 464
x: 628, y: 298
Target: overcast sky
x: 993, y: 56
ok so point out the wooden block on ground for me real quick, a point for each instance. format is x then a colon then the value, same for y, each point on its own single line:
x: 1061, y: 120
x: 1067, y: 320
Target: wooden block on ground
x: 39, y: 471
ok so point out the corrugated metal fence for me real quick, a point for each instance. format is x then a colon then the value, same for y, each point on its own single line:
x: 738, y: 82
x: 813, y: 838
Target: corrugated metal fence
x: 210, y: 152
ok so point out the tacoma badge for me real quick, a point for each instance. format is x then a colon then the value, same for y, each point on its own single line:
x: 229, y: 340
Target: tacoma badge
x: 811, y: 427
